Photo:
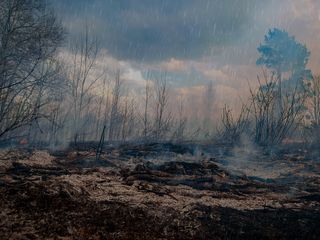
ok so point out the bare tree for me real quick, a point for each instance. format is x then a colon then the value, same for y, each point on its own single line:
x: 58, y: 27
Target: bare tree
x: 107, y: 111
x: 181, y: 124
x: 58, y: 119
x: 47, y: 93
x: 83, y: 79
x: 114, y: 127
x: 313, y: 88
x: 132, y: 120
x: 29, y: 37
x: 233, y: 127
x: 146, y: 123
x: 209, y: 96
x: 128, y: 118
x: 272, y: 122
x: 313, y: 106
x: 103, y: 106
x: 162, y: 114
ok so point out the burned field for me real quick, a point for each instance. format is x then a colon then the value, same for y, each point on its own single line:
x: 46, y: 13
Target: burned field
x: 158, y: 191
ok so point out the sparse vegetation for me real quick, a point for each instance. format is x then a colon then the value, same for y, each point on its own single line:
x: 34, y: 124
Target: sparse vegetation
x: 273, y: 121
x: 97, y: 98
x: 233, y: 127
x: 85, y: 155
x: 29, y: 37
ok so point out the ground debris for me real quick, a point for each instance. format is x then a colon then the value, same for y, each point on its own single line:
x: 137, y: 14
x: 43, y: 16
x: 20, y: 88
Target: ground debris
x: 177, y: 196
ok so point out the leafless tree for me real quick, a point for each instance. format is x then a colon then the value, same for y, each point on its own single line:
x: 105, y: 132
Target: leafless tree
x: 29, y: 37
x: 58, y: 119
x: 128, y: 116
x: 312, y: 128
x: 147, y: 97
x: 125, y: 119
x: 103, y: 106
x: 233, y: 127
x: 114, y: 127
x: 83, y: 79
x: 272, y: 122
x: 163, y: 115
x: 181, y: 124
x: 47, y: 99
x: 208, y: 100
x: 313, y: 88
x: 133, y: 131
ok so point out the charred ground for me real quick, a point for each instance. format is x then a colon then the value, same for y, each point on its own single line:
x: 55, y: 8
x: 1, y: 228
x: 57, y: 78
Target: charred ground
x: 159, y: 191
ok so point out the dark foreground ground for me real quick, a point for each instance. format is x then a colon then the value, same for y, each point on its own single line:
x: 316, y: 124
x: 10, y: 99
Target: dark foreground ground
x: 160, y: 191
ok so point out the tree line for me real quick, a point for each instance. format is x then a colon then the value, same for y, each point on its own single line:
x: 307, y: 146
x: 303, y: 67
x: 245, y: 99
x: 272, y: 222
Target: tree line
x: 44, y: 99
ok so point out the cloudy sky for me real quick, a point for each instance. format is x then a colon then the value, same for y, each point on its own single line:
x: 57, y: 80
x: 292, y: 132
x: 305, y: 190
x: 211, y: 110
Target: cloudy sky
x: 194, y: 41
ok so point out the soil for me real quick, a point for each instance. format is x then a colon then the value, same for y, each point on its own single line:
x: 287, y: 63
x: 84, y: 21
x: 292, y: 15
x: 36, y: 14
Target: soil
x: 159, y: 191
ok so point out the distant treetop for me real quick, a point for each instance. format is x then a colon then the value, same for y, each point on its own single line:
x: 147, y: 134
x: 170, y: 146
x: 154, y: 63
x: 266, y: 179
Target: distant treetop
x: 281, y: 53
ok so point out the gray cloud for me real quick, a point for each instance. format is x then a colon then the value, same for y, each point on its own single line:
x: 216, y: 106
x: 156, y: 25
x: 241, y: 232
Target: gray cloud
x: 194, y: 41
x: 154, y: 30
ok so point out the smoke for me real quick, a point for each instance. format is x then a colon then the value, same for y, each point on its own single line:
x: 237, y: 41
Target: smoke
x: 257, y: 163
x: 244, y: 158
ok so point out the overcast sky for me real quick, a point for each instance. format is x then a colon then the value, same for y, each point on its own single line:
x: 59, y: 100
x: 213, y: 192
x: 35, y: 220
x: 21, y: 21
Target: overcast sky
x: 195, y: 41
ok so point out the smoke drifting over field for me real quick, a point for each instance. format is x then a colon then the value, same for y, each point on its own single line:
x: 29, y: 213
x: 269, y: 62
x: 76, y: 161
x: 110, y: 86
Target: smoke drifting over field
x: 170, y: 68
x: 159, y: 119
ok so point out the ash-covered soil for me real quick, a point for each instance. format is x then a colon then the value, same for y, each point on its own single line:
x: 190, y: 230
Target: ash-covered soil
x: 160, y: 191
